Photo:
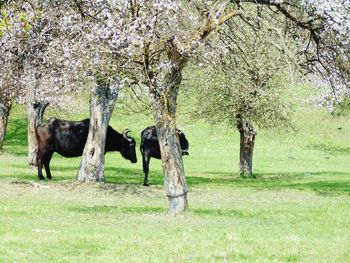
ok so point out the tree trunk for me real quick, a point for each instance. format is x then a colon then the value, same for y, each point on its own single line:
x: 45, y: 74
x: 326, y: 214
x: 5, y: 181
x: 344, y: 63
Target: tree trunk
x: 164, y: 109
x: 35, y: 111
x: 173, y: 167
x: 102, y: 101
x: 4, y: 115
x: 247, y: 140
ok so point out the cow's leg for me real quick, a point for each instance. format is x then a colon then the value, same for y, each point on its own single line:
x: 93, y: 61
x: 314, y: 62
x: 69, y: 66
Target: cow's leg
x: 47, y: 165
x: 40, y: 171
x: 145, y: 163
x: 40, y: 161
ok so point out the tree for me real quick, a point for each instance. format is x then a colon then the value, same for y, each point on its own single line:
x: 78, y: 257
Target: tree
x: 5, y: 107
x: 20, y: 47
x: 8, y: 92
x: 146, y: 43
x: 10, y: 86
x: 27, y: 28
x: 164, y: 58
x: 318, y: 35
x: 272, y: 36
x: 243, y: 89
x: 243, y: 85
x: 163, y: 78
x: 85, y: 52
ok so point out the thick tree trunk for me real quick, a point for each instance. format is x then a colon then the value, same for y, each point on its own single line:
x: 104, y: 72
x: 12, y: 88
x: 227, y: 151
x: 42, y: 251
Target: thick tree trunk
x: 102, y: 101
x: 247, y: 140
x: 173, y: 167
x: 4, y: 115
x: 164, y: 109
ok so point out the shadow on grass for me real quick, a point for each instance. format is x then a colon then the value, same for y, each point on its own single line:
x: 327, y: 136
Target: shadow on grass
x: 330, y: 149
x: 118, y: 209
x: 219, y: 212
x: 160, y: 210
x: 324, y: 183
x: 115, y: 175
x: 34, y: 177
x: 323, y: 187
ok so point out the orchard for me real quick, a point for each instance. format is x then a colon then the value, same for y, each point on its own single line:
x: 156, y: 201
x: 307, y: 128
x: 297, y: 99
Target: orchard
x: 235, y: 64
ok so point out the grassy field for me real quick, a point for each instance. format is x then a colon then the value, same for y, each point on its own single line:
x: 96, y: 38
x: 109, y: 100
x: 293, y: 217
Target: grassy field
x: 297, y: 209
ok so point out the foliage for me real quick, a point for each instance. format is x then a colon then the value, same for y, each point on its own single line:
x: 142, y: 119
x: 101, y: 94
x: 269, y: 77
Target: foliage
x: 70, y: 41
x: 30, y: 28
x: 322, y: 30
x: 246, y: 80
x: 9, y: 64
x: 272, y: 40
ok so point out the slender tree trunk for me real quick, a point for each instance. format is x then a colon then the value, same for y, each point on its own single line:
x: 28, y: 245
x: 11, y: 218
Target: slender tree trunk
x: 102, y: 101
x: 164, y: 109
x: 4, y: 115
x: 247, y: 140
x: 35, y: 110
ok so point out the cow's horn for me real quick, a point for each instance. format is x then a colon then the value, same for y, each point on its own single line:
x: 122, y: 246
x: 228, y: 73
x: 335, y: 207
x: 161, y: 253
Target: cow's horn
x: 125, y: 135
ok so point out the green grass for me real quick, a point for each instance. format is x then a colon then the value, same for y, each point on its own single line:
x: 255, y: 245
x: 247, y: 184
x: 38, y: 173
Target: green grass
x: 296, y: 209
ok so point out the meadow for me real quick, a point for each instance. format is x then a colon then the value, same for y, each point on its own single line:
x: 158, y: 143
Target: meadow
x: 295, y: 209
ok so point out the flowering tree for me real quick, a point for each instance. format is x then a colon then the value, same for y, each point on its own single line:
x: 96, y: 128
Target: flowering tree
x: 306, y: 36
x: 19, y: 47
x: 318, y: 31
x: 134, y: 42
x: 242, y: 86
x: 7, y: 96
x: 85, y: 55
x: 322, y: 28
x: 10, y: 87
x: 27, y: 28
x: 171, y: 43
x: 8, y: 92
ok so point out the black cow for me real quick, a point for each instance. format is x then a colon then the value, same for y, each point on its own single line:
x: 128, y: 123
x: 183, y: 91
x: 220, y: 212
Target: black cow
x: 68, y: 138
x: 150, y: 148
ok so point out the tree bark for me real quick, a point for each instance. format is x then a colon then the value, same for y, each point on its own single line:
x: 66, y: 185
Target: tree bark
x: 35, y: 110
x: 102, y: 101
x: 247, y: 140
x: 164, y: 96
x: 164, y: 110
x: 4, y: 115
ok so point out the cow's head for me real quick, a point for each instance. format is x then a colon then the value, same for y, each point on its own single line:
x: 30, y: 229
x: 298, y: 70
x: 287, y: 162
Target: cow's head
x: 183, y: 142
x: 128, y: 146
